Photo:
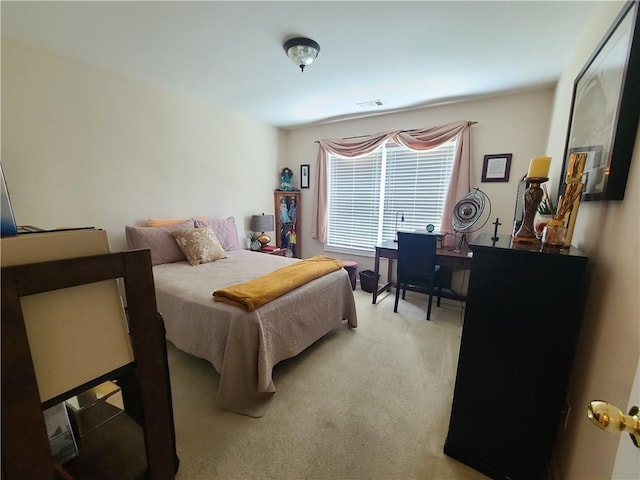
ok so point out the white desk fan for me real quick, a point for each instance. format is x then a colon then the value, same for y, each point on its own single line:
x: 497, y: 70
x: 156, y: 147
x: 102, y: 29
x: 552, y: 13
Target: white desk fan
x: 467, y: 212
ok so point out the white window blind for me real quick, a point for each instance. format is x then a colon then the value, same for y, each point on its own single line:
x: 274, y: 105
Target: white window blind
x: 367, y: 193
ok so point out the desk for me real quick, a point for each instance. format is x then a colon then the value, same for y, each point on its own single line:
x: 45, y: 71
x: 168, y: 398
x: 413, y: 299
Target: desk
x: 389, y: 250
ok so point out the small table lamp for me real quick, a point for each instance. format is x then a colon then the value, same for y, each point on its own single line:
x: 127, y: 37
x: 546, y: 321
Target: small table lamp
x: 263, y: 223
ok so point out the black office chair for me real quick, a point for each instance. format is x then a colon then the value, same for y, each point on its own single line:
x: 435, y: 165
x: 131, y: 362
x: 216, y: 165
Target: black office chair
x: 417, y: 266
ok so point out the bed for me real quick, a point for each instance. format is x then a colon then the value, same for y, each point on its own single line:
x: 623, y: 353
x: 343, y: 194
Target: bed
x: 243, y: 346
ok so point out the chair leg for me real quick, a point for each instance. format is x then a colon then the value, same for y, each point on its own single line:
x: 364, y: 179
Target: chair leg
x: 439, y: 295
x: 395, y: 306
x: 430, y: 302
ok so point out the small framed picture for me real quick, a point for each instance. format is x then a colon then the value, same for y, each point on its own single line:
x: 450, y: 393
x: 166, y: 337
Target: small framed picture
x: 496, y: 167
x: 61, y: 440
x: 304, y: 176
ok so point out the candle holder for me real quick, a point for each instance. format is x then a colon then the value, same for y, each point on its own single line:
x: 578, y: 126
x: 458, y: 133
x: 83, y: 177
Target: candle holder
x: 532, y: 198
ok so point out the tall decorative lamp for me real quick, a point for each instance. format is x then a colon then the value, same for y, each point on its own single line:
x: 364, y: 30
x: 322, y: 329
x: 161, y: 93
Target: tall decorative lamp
x: 263, y: 223
x: 538, y: 174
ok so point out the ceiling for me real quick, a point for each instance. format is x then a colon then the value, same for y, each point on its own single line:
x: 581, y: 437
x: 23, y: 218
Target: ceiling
x: 229, y: 54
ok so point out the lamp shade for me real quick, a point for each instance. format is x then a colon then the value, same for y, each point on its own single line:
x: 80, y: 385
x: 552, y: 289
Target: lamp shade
x: 262, y: 223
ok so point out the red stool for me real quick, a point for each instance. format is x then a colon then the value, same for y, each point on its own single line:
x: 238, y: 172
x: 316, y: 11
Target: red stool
x: 352, y: 269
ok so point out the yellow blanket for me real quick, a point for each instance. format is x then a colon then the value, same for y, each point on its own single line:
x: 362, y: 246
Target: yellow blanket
x: 258, y: 291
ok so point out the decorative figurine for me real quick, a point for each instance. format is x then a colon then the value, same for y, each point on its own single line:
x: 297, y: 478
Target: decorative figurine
x: 286, y: 175
x: 291, y: 240
x: 292, y: 210
x: 284, y: 211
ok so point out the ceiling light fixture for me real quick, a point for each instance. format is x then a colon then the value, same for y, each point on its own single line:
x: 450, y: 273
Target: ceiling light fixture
x: 302, y: 51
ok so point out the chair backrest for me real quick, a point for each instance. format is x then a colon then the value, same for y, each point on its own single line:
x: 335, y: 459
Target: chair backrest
x: 25, y: 443
x: 416, y: 256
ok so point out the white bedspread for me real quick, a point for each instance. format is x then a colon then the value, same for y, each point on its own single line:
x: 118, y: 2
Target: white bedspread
x: 244, y: 347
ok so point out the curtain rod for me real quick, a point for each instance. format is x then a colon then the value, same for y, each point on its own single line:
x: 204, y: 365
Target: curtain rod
x: 470, y: 123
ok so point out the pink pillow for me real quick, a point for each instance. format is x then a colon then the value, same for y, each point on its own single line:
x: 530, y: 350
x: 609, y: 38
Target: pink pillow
x: 159, y: 240
x: 166, y: 222
x: 226, y: 231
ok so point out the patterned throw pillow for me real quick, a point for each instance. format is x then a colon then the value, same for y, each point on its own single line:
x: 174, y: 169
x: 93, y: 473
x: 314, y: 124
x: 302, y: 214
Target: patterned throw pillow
x: 199, y: 245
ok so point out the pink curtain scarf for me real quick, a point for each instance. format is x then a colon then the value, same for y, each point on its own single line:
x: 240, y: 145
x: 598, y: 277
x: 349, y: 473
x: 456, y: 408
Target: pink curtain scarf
x: 421, y: 139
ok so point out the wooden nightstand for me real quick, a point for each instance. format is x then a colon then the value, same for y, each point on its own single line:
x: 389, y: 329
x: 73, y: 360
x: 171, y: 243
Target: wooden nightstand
x: 281, y: 252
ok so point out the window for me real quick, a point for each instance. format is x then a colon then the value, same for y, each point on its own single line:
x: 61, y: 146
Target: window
x: 366, y: 194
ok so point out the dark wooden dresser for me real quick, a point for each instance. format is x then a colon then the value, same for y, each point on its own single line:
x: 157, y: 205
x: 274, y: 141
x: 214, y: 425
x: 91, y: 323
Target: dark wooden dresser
x: 522, y: 321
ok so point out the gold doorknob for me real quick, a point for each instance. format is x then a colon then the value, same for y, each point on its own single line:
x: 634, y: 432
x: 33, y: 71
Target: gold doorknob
x: 610, y: 418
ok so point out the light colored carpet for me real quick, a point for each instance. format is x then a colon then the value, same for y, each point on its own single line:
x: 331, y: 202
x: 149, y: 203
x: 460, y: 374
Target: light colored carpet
x: 369, y: 403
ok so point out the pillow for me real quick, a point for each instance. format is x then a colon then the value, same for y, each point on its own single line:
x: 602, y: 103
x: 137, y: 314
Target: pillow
x: 159, y: 240
x: 226, y: 231
x: 166, y: 222
x: 199, y: 245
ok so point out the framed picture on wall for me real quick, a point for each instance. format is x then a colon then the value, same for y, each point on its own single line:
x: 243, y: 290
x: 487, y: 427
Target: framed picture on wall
x: 304, y: 176
x: 495, y: 168
x: 605, y: 109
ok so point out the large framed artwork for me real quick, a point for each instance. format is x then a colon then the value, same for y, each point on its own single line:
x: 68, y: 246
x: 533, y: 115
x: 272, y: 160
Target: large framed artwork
x: 605, y: 109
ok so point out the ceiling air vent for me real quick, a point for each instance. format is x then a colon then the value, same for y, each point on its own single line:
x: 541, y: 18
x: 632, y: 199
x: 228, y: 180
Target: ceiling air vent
x: 370, y: 104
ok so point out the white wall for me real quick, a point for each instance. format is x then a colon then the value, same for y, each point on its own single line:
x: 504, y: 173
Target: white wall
x: 609, y: 347
x: 516, y: 123
x: 84, y: 147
